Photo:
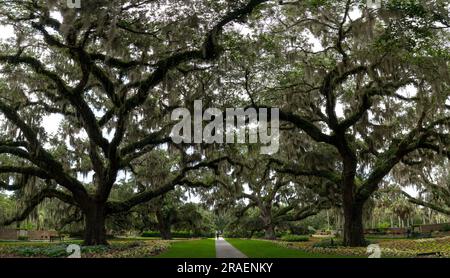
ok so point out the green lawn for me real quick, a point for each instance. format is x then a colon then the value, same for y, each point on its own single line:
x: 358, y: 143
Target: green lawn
x: 201, y: 248
x: 266, y: 249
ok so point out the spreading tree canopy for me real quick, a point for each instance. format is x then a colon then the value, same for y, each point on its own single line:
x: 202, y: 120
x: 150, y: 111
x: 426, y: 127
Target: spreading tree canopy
x: 363, y: 97
x: 369, y: 89
x: 106, y: 70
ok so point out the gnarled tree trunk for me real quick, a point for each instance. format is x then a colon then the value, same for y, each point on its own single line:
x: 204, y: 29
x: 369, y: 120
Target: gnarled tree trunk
x: 269, y: 231
x: 95, y: 230
x: 269, y: 227
x: 164, y: 225
x: 353, y: 225
x: 353, y: 207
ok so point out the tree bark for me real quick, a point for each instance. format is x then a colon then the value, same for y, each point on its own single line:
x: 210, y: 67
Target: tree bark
x: 164, y: 225
x: 269, y: 227
x: 165, y: 232
x: 269, y: 231
x: 95, y: 231
x: 251, y: 234
x: 353, y: 226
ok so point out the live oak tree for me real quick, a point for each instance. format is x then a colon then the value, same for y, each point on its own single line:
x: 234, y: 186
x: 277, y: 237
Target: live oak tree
x: 159, y: 214
x: 166, y: 210
x: 162, y: 213
x: 170, y: 212
x: 277, y: 197
x: 104, y: 69
x: 276, y: 209
x: 370, y: 88
x: 378, y: 128
x: 363, y: 94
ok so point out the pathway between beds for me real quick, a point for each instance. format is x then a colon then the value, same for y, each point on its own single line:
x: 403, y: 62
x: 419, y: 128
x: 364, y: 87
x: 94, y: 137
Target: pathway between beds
x: 226, y: 250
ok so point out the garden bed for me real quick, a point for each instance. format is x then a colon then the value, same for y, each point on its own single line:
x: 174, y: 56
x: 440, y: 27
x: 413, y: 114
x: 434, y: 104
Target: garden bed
x: 405, y: 248
x: 117, y: 249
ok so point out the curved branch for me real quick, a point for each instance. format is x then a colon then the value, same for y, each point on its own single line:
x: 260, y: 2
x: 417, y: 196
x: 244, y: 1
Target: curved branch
x: 35, y: 201
x: 291, y: 168
x: 117, y: 207
x: 209, y: 51
x: 89, y: 120
x: 39, y: 156
x: 32, y: 171
x: 426, y: 204
x: 304, y: 212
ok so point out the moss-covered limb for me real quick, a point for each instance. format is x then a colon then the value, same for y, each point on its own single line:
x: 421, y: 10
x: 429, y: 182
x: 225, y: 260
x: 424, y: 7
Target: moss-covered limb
x: 32, y: 203
x: 26, y: 172
x: 31, y: 171
x: 439, y: 208
x: 209, y: 51
x: 299, y: 170
x: 180, y: 179
x: 386, y: 161
x: 295, y: 214
x: 39, y: 156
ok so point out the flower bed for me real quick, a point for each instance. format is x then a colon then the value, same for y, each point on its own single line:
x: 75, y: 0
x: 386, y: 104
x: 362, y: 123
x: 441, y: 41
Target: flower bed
x: 404, y: 248
x: 117, y: 249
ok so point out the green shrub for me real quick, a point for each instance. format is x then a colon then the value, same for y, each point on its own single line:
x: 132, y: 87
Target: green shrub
x: 328, y: 243
x: 420, y: 235
x: 181, y: 234
x: 150, y: 234
x: 48, y: 251
x: 294, y: 238
x: 24, y: 238
x: 178, y: 234
x: 446, y: 228
x: 258, y: 234
x: 333, y: 243
x: 94, y: 249
x: 279, y: 234
x: 55, y: 252
x: 384, y: 225
x: 26, y: 251
x: 204, y: 234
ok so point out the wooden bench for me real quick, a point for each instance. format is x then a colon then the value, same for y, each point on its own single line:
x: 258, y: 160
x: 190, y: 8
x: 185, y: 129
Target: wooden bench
x: 53, y: 238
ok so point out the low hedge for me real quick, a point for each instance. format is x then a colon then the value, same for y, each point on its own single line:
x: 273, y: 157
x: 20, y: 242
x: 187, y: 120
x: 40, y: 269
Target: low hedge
x: 295, y: 238
x: 446, y: 228
x: 178, y: 234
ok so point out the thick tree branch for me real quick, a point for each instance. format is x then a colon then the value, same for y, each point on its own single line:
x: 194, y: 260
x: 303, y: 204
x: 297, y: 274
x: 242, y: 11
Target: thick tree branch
x: 210, y: 50
x: 39, y: 156
x: 180, y: 179
x: 35, y: 201
x: 89, y: 120
x: 297, y: 170
x: 31, y: 171
x: 426, y: 204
